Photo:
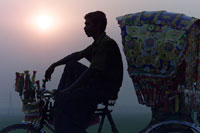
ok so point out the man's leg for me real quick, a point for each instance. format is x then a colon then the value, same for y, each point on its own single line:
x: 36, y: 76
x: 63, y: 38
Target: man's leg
x: 72, y: 71
x: 78, y: 107
x: 63, y: 123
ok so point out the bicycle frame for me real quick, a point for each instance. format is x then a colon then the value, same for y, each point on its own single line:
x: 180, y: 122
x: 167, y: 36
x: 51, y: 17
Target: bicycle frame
x: 45, y: 125
x: 46, y: 115
x: 103, y: 112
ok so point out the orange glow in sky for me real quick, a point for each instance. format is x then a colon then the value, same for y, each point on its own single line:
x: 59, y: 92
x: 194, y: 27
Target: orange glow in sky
x: 44, y: 22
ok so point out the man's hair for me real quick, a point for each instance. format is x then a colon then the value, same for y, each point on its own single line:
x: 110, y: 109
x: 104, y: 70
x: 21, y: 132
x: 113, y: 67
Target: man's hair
x: 98, y: 17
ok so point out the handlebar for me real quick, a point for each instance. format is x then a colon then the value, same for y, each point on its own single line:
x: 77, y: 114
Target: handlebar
x: 48, y: 93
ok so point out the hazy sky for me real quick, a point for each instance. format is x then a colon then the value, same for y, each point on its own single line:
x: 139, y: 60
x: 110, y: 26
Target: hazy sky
x: 25, y: 46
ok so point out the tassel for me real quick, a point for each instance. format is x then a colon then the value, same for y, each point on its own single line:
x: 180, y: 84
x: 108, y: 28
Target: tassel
x: 21, y: 84
x: 160, y: 97
x: 166, y: 102
x: 33, y: 78
x: 139, y: 96
x: 38, y: 89
x: 176, y: 103
x: 38, y: 84
x: 151, y: 97
x: 23, y: 107
x: 26, y: 86
x: 194, y: 117
x: 145, y: 95
x: 30, y: 84
x: 17, y: 82
x: 157, y: 97
x: 44, y: 84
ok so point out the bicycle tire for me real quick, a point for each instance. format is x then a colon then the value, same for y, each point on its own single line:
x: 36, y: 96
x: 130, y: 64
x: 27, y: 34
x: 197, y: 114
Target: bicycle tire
x: 173, y: 126
x: 166, y: 129
x: 20, y: 128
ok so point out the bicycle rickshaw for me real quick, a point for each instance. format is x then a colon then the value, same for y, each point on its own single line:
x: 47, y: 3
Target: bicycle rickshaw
x: 38, y: 107
x: 162, y: 50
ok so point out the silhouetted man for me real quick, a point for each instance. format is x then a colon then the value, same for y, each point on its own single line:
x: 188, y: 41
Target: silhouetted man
x: 82, y: 88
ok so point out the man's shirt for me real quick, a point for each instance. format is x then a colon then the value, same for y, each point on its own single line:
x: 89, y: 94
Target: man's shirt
x: 104, y: 56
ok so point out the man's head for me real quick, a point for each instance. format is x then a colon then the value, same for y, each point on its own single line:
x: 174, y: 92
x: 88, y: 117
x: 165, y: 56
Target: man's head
x: 95, y: 22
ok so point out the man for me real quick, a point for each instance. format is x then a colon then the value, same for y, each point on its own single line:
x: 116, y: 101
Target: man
x: 82, y: 88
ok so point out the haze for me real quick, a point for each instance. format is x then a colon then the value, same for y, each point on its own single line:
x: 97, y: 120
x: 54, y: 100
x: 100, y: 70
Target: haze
x: 25, y: 47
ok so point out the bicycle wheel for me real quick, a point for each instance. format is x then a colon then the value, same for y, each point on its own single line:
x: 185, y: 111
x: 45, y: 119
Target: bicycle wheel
x: 173, y: 126
x: 19, y: 128
x: 172, y: 129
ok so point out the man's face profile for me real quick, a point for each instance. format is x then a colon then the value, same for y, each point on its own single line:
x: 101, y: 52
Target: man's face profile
x: 90, y: 27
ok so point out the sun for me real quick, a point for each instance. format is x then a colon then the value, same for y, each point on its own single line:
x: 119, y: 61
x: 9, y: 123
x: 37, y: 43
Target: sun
x: 44, y: 22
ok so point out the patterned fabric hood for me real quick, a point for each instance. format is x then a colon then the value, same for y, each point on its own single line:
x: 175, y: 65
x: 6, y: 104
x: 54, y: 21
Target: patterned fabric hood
x: 155, y: 42
x: 158, y: 46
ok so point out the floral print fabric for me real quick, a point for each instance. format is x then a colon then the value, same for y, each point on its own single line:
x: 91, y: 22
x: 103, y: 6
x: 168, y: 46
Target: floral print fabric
x: 156, y: 44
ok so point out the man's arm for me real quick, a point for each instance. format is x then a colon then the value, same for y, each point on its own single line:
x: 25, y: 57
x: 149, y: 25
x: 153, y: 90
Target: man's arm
x: 73, y: 56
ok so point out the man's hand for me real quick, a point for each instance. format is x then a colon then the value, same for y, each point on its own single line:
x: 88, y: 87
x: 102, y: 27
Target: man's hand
x: 49, y: 72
